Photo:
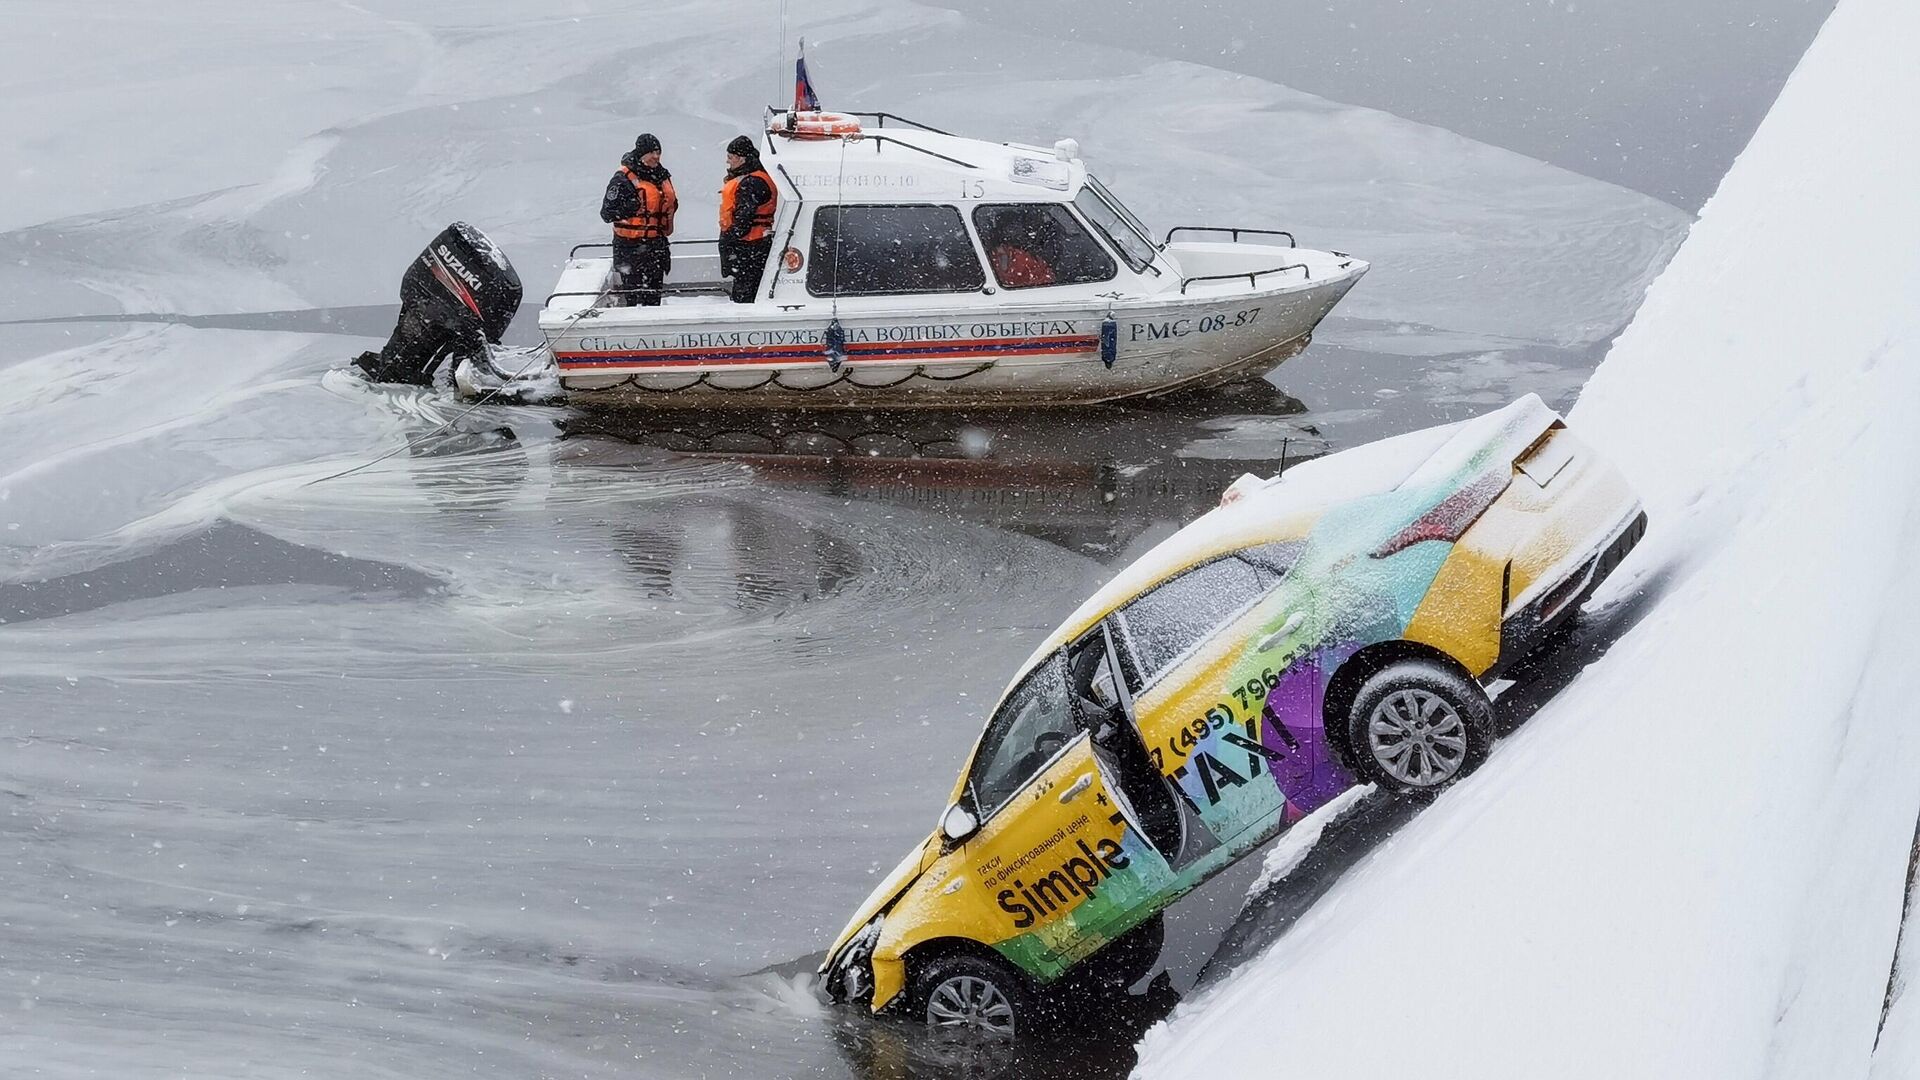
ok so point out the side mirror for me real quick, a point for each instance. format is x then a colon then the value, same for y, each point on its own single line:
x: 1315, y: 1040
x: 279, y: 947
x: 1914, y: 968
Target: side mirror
x: 958, y: 823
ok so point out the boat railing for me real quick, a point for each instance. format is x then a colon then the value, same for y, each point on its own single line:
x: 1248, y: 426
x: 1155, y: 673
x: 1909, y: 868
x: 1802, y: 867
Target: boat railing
x: 607, y: 246
x: 876, y: 140
x: 879, y: 119
x: 879, y: 140
x: 1252, y: 276
x: 672, y: 288
x: 1235, y: 232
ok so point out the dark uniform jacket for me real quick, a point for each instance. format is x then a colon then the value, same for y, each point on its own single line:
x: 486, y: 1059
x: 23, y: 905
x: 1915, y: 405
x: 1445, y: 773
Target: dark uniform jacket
x: 752, y: 194
x: 621, y: 201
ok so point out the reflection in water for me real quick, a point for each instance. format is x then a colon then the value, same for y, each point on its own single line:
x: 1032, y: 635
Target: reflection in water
x: 1091, y: 482
x: 764, y: 558
x: 496, y: 447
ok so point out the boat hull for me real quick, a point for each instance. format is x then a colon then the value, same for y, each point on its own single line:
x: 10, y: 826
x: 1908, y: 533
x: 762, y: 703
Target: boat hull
x: 1030, y: 355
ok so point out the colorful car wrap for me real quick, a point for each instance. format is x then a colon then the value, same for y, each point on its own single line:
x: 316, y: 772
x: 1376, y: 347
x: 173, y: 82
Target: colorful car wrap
x: 1448, y: 539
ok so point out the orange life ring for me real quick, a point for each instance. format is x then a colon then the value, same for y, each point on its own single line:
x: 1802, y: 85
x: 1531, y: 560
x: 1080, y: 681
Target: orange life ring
x: 792, y: 260
x: 816, y: 125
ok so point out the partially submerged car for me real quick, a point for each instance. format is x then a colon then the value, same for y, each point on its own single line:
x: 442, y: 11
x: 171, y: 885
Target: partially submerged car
x: 1329, y: 627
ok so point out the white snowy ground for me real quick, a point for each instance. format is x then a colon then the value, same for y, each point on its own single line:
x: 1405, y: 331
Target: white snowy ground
x: 1692, y: 863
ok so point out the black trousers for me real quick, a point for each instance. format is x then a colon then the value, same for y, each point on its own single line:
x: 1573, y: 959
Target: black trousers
x: 642, y: 265
x: 744, y: 263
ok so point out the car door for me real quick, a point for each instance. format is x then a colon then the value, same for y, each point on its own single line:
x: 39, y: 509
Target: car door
x: 1055, y: 859
x: 1207, y: 651
x: 1144, y: 795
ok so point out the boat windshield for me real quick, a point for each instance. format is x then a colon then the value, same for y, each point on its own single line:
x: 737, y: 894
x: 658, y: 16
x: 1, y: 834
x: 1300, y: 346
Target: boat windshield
x: 1114, y: 221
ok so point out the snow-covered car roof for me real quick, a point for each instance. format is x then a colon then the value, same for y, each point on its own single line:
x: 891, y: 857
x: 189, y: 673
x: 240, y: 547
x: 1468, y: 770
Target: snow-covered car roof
x: 1285, y: 507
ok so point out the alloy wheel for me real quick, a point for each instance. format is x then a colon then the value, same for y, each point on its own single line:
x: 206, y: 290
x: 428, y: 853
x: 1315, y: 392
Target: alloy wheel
x: 1417, y: 737
x: 970, y: 1001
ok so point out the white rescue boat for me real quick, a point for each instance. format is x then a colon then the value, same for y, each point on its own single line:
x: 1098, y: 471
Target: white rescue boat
x: 890, y: 285
x: 910, y: 268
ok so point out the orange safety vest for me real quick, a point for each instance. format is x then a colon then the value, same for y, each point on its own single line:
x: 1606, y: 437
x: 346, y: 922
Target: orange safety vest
x: 654, y: 221
x: 1018, y: 268
x: 762, y: 214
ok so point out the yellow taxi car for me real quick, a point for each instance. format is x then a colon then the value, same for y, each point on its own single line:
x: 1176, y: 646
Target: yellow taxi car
x: 1329, y: 627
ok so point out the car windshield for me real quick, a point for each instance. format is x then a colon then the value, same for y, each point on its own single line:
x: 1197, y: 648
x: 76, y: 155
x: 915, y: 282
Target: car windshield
x: 1121, y: 228
x: 1033, y: 723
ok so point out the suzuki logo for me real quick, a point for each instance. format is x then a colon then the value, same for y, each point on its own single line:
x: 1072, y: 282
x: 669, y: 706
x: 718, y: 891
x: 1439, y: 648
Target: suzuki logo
x: 472, y: 280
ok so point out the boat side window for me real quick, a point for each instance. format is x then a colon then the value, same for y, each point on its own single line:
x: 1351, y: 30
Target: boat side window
x: 877, y: 250
x: 1031, y: 726
x: 1163, y: 624
x: 1034, y: 244
x: 1121, y: 229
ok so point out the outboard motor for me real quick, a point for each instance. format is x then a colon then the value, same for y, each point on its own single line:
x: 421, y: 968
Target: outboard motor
x: 455, y: 300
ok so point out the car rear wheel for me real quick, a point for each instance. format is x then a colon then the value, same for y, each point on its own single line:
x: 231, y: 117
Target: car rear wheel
x: 973, y: 992
x: 1417, y: 726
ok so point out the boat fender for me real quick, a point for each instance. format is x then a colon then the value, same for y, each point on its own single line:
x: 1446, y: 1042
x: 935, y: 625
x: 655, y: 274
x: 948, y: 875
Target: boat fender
x: 836, y: 345
x: 1109, y: 341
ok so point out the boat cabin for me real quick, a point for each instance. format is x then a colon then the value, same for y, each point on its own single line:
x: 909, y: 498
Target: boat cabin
x: 912, y: 266
x: 898, y: 209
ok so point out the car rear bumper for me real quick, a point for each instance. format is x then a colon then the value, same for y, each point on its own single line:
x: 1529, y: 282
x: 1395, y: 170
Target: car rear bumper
x: 1526, y: 629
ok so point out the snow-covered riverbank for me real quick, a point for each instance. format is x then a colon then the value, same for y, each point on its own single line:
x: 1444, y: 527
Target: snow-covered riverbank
x: 1691, y: 864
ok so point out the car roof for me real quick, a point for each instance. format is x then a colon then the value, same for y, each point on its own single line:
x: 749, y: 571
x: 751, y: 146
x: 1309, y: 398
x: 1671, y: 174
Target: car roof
x: 1279, y: 508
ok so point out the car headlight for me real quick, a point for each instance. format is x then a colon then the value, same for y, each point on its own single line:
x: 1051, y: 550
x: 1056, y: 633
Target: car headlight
x: 850, y: 979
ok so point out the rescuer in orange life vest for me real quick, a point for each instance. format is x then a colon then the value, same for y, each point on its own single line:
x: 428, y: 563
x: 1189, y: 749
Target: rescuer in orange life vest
x: 746, y: 219
x: 640, y: 203
x: 1015, y: 255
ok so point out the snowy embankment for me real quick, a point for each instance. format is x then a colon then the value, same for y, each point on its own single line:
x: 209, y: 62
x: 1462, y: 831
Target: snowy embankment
x: 1692, y: 863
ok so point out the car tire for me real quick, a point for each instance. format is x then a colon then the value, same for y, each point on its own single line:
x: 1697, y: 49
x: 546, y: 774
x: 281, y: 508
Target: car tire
x: 1417, y: 726
x: 967, y: 991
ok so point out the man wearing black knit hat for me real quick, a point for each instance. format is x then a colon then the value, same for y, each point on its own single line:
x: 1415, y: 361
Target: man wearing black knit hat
x: 639, y: 204
x: 746, y: 219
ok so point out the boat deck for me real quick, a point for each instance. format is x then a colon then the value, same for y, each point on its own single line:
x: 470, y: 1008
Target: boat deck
x: 694, y: 280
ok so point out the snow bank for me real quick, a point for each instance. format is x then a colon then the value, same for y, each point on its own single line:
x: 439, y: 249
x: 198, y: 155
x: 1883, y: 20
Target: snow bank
x: 1693, y: 862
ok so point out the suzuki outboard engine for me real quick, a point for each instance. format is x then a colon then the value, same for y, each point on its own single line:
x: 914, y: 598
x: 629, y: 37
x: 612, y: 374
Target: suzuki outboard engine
x: 455, y: 300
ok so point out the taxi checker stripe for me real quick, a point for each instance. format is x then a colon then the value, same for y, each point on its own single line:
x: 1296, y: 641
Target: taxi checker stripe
x: 862, y: 350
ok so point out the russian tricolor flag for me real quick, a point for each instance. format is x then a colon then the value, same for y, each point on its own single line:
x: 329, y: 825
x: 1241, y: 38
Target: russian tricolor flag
x: 804, y: 99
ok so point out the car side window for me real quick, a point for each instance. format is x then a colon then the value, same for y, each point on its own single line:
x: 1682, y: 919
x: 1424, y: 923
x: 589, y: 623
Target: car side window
x: 876, y: 250
x: 1032, y: 725
x: 1272, y: 561
x: 1164, y: 623
x: 1034, y: 244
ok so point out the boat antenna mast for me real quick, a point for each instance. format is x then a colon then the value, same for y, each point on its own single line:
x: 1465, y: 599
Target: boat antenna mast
x: 836, y: 337
x: 780, y: 48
